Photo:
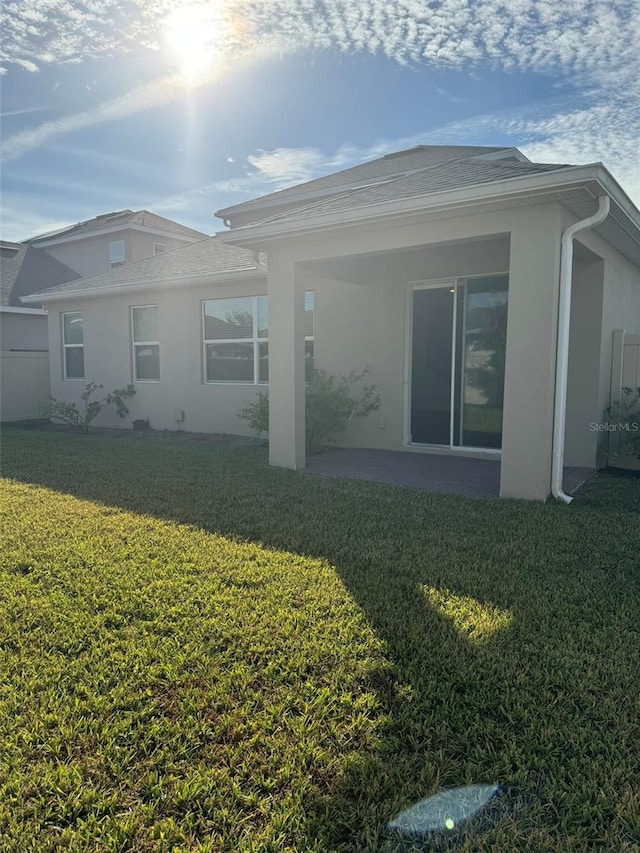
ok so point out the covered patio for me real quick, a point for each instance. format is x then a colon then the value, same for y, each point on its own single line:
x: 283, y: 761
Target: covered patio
x: 429, y: 472
x: 454, y: 318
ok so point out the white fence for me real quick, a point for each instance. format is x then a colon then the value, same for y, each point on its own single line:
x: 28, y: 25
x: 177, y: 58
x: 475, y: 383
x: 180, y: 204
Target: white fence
x: 625, y: 373
x: 24, y: 384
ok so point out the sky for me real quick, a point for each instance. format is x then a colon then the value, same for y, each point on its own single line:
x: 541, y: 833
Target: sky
x: 184, y: 108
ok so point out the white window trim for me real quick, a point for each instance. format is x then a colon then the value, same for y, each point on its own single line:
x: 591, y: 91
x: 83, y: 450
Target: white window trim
x: 117, y: 261
x: 255, y: 340
x: 66, y: 346
x: 135, y: 343
x: 162, y: 250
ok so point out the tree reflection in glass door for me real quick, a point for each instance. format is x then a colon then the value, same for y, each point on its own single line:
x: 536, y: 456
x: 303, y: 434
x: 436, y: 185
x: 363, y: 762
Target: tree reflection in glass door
x: 482, y: 314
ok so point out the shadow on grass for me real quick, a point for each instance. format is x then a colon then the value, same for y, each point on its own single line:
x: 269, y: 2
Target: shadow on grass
x: 541, y: 700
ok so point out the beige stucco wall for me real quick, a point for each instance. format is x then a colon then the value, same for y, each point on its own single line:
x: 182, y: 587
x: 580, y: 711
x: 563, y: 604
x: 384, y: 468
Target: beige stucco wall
x: 108, y: 359
x: 24, y: 385
x: 90, y: 255
x: 23, y: 331
x: 620, y: 310
x: 365, y: 325
x: 583, y: 380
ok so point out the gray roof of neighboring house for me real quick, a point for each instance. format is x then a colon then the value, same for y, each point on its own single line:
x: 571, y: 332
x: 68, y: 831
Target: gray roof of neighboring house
x: 25, y: 269
x: 400, y: 162
x: 196, y: 260
x: 448, y: 176
x: 117, y: 219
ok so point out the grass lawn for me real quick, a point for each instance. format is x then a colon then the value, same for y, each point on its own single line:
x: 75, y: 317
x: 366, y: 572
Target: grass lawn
x: 200, y: 653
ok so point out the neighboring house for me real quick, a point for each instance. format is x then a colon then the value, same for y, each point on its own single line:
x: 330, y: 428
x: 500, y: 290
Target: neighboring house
x: 453, y: 272
x: 24, y: 385
x: 114, y: 239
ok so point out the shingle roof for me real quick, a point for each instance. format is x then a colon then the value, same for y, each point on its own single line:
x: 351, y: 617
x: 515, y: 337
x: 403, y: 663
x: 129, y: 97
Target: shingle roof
x: 118, y: 219
x: 448, y: 176
x: 420, y: 157
x: 25, y: 269
x: 200, y: 259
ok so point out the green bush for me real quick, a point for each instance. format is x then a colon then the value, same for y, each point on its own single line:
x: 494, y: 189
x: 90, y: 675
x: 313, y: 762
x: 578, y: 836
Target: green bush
x: 82, y: 416
x: 330, y: 403
x: 624, y: 420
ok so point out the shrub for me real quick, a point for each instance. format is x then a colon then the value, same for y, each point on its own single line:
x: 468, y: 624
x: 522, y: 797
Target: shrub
x: 330, y: 403
x: 624, y: 420
x: 82, y: 416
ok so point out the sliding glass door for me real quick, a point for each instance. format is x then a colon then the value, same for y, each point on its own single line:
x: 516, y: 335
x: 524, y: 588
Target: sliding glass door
x: 431, y: 365
x: 458, y: 342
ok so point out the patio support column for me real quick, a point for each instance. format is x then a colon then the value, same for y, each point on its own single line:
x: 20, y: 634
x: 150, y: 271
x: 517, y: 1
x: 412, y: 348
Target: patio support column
x: 527, y: 430
x: 286, y: 364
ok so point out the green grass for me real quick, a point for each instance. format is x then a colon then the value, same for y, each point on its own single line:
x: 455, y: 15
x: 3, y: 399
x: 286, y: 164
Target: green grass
x: 200, y: 653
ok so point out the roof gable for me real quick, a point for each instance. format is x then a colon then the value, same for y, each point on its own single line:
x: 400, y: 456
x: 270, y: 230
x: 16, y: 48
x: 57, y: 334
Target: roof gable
x: 447, y: 176
x: 117, y: 220
x: 199, y: 260
x: 25, y: 270
x: 364, y: 174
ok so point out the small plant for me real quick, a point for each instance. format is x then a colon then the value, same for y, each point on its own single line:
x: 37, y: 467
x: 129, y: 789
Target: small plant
x: 330, y: 403
x: 623, y: 420
x: 82, y: 416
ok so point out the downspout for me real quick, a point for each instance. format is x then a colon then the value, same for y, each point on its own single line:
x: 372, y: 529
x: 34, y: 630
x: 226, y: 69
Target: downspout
x: 562, y: 355
x: 257, y: 262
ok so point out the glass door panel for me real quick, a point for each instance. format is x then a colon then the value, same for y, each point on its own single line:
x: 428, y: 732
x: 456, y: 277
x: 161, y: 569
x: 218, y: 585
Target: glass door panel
x: 431, y: 365
x: 480, y: 380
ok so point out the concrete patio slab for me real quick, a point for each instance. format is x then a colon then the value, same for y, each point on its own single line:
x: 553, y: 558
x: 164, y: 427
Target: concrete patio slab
x: 430, y: 472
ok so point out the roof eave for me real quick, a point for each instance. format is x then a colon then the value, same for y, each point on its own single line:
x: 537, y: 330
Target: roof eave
x: 260, y: 234
x: 154, y: 284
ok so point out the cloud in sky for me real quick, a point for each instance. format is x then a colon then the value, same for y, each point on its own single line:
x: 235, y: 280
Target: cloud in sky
x: 592, y: 42
x: 562, y: 131
x: 141, y: 98
x: 597, y: 38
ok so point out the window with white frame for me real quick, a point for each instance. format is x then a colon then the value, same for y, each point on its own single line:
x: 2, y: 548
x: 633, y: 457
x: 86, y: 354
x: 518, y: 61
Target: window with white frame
x: 146, y: 345
x: 236, y: 338
x: 73, y: 345
x: 159, y: 248
x: 116, y: 253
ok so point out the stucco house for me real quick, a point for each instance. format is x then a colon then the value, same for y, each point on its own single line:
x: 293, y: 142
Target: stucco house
x: 113, y: 239
x: 84, y: 248
x: 489, y: 296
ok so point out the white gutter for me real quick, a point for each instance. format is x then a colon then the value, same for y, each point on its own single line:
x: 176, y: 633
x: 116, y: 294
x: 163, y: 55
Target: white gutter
x: 37, y: 312
x: 562, y: 354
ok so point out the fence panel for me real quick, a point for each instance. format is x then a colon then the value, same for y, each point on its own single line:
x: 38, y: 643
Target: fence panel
x: 24, y: 384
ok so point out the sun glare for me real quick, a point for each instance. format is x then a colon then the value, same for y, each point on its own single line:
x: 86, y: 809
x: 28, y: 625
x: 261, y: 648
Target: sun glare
x: 194, y: 35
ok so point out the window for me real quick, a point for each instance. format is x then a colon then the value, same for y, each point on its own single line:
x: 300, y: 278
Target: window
x: 116, y: 253
x: 73, y: 345
x: 159, y: 248
x: 236, y: 338
x: 146, y: 347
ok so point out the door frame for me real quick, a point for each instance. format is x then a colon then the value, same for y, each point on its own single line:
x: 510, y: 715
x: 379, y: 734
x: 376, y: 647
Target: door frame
x: 432, y: 284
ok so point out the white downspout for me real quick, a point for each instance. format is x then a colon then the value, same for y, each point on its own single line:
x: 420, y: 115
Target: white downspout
x: 562, y: 356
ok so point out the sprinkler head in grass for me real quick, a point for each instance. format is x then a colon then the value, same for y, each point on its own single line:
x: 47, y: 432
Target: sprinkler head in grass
x: 453, y: 812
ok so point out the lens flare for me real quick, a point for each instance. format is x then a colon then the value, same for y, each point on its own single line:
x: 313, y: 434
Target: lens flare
x: 194, y: 35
